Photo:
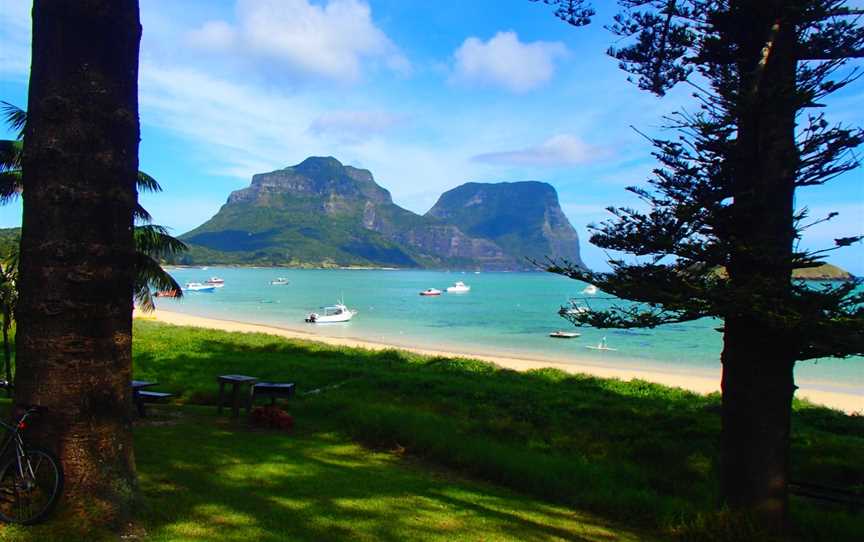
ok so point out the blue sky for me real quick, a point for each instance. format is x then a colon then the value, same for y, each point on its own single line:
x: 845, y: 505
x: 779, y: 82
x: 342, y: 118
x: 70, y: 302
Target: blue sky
x: 427, y: 95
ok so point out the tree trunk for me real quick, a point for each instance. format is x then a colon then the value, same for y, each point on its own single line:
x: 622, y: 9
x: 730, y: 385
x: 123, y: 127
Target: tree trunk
x: 7, y: 354
x: 75, y: 311
x: 758, y: 356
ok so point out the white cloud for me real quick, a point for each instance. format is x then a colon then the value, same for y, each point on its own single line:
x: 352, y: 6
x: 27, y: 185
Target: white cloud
x: 329, y: 41
x: 506, y: 62
x: 352, y: 126
x: 213, y: 35
x: 557, y: 151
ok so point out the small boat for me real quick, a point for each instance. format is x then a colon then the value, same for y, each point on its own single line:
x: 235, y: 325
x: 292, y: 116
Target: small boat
x: 458, y: 287
x: 564, y: 335
x: 590, y: 290
x: 198, y: 287
x: 330, y: 315
x: 280, y: 281
x: 601, y: 346
x: 430, y: 292
x: 215, y: 282
x: 573, y: 308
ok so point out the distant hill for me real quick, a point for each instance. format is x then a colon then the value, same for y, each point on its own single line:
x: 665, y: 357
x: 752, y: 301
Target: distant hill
x: 826, y: 271
x: 9, y: 237
x: 321, y: 213
x: 523, y: 218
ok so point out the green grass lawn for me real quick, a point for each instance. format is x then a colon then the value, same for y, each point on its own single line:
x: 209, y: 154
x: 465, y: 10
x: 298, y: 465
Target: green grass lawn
x: 208, y: 478
x: 396, y: 446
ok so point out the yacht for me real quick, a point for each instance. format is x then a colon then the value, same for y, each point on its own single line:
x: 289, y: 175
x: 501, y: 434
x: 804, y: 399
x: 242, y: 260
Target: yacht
x: 280, y: 281
x: 573, y: 308
x: 198, y: 287
x: 330, y: 315
x: 458, y: 287
x: 215, y: 282
x: 430, y: 292
x: 601, y: 346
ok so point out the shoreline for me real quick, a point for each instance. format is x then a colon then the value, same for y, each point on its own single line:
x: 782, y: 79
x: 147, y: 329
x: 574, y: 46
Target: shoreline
x: 846, y: 402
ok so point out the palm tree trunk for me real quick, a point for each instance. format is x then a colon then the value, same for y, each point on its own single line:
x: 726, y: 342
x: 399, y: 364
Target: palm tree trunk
x: 75, y: 313
x: 7, y: 353
x: 759, y: 355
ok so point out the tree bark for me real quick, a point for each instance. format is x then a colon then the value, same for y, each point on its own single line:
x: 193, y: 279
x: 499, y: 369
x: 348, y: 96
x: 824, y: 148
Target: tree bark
x: 758, y: 356
x: 7, y: 353
x: 77, y: 253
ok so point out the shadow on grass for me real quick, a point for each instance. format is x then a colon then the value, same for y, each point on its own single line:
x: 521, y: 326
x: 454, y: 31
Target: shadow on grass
x: 633, y: 450
x: 241, y: 484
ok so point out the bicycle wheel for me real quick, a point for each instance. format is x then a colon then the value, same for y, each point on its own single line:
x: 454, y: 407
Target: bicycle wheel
x: 28, y: 497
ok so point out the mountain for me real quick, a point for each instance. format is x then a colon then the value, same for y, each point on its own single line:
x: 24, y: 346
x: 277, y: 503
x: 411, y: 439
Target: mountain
x: 523, y: 218
x: 321, y: 212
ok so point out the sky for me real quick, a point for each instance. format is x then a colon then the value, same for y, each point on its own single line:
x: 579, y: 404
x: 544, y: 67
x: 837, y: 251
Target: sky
x: 426, y: 95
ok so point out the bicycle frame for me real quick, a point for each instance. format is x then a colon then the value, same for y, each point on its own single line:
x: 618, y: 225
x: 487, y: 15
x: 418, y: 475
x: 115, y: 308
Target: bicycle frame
x: 14, y: 434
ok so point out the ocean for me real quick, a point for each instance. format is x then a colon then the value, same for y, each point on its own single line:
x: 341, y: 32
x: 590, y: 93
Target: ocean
x: 505, y: 314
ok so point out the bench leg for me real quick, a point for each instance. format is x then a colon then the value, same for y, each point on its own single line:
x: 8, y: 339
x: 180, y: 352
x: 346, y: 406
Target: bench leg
x: 235, y: 400
x: 221, y: 396
x: 250, y: 398
x: 139, y: 404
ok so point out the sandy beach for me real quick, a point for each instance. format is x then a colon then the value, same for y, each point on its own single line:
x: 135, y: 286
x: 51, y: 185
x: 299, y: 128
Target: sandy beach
x: 846, y: 402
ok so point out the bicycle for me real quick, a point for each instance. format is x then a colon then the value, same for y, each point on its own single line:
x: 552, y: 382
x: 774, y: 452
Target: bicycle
x: 31, y: 481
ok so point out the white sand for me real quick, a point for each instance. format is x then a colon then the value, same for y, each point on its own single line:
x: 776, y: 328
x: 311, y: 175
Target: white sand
x: 847, y: 402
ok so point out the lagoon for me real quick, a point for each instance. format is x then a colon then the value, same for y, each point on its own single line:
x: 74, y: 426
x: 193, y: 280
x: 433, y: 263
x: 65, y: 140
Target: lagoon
x: 504, y: 314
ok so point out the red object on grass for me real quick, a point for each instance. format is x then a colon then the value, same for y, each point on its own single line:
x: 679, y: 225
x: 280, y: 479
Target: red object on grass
x: 272, y: 417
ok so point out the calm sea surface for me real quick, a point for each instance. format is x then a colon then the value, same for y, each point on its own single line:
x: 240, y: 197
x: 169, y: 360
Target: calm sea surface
x: 508, y: 314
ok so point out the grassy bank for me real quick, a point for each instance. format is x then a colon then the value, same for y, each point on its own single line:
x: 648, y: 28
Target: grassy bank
x: 633, y: 452
x: 210, y: 479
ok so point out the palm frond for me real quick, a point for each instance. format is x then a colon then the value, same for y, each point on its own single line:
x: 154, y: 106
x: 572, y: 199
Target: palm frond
x: 10, y: 186
x: 11, y: 151
x: 150, y: 276
x: 139, y: 213
x: 146, y: 183
x: 155, y: 241
x: 15, y: 117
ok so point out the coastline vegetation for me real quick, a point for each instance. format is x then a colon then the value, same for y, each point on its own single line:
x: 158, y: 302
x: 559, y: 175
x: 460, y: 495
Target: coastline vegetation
x: 634, y: 453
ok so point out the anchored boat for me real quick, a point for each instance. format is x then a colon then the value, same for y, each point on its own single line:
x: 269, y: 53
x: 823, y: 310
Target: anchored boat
x: 198, y: 287
x: 458, y: 287
x: 564, y: 335
x: 331, y: 315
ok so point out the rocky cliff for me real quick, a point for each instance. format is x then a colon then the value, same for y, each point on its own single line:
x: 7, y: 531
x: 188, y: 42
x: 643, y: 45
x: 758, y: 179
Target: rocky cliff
x: 523, y: 218
x: 321, y: 212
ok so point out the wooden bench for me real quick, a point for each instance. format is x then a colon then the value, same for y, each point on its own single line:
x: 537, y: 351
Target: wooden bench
x: 273, y: 390
x: 144, y: 396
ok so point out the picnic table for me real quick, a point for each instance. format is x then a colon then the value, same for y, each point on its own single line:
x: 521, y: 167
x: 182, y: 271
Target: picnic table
x: 273, y: 390
x: 236, y: 382
x: 140, y: 395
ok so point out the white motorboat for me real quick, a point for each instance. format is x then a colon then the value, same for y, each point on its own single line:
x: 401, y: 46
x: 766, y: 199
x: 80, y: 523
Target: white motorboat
x: 280, y: 281
x: 590, y: 290
x: 430, y: 292
x: 573, y: 308
x: 602, y: 346
x: 215, y: 282
x: 564, y: 335
x: 331, y: 315
x: 458, y: 287
x: 198, y: 287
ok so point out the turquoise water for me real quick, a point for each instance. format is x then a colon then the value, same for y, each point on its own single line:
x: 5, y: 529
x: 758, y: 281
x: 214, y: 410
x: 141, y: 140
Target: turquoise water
x: 508, y: 314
